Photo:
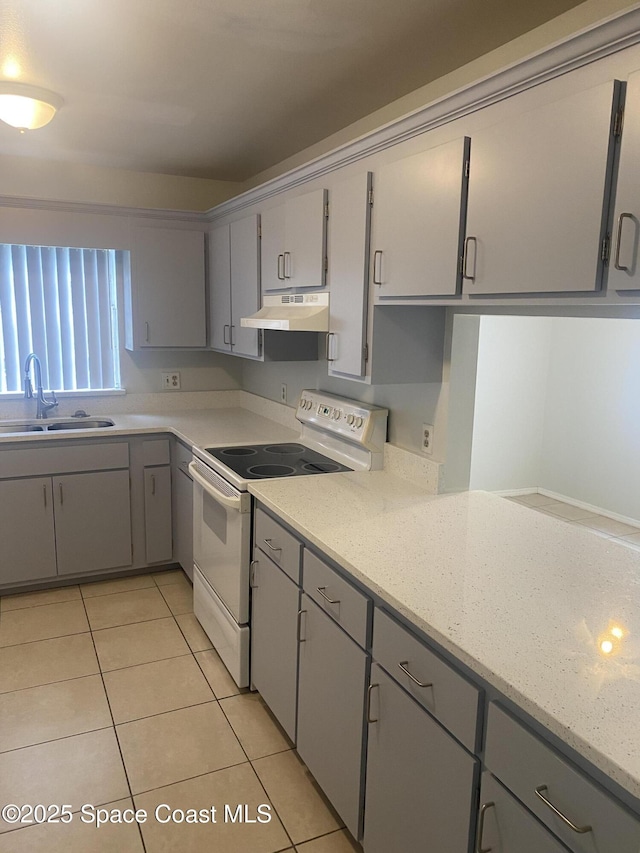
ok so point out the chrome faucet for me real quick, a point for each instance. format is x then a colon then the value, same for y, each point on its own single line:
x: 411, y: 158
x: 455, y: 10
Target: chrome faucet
x: 43, y: 404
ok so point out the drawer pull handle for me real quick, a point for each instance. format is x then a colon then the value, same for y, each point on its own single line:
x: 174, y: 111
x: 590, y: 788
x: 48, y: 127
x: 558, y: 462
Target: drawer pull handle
x: 370, y: 719
x: 321, y: 590
x: 252, y: 573
x: 299, y: 637
x: 403, y: 667
x: 267, y: 542
x: 580, y: 829
x: 616, y: 262
x: 483, y: 810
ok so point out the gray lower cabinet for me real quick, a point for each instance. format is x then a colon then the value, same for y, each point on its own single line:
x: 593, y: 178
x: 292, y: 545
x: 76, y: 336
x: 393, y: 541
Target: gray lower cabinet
x: 157, y: 514
x: 92, y: 521
x: 28, y: 549
x: 331, y: 690
x: 274, y: 647
x: 420, y: 782
x: 505, y: 826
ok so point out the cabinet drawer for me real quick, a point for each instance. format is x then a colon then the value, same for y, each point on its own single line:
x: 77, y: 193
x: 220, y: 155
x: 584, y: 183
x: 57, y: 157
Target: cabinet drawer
x: 156, y: 452
x: 532, y: 769
x: 504, y: 826
x: 343, y: 602
x: 447, y: 694
x: 182, y: 455
x: 63, y: 458
x: 278, y: 544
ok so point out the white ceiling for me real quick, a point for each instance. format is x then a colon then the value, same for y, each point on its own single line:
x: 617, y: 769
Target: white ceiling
x: 225, y: 88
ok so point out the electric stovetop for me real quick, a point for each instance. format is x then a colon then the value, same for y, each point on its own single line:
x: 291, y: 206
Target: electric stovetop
x: 275, y: 460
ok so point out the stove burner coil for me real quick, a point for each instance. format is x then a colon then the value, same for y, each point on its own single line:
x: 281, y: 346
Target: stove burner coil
x: 284, y: 448
x: 238, y: 451
x: 271, y: 470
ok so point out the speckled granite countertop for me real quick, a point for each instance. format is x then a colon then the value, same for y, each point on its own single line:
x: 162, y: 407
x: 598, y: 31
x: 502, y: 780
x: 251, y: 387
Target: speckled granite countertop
x: 200, y: 428
x: 522, y: 598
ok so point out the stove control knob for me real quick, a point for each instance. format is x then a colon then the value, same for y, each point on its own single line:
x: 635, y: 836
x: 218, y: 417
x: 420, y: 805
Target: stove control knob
x: 359, y: 422
x: 337, y: 414
x: 303, y: 403
x: 309, y: 404
x: 350, y: 419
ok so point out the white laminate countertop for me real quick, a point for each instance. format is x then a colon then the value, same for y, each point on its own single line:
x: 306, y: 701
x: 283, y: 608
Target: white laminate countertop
x: 196, y: 428
x: 521, y: 598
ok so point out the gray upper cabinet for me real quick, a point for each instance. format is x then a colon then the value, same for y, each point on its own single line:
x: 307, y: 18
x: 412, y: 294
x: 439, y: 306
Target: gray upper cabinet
x: 418, y: 223
x: 165, y: 295
x: 234, y: 278
x: 420, y: 786
x: 539, y: 193
x: 624, y: 272
x: 28, y: 549
x: 93, y: 521
x: 294, y: 243
x: 349, y: 235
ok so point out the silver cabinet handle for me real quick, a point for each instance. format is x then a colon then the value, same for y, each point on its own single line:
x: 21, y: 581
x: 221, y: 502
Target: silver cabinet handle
x: 252, y: 573
x: 224, y: 334
x: 403, y: 667
x: 44, y: 493
x: 370, y: 719
x: 321, y: 590
x: 299, y: 627
x: 287, y: 264
x: 483, y: 810
x: 153, y: 484
x: 377, y: 267
x: 146, y: 333
x: 465, y: 258
x: 61, y: 494
x: 580, y: 829
x: 267, y: 542
x: 328, y: 345
x: 616, y: 261
x: 281, y: 267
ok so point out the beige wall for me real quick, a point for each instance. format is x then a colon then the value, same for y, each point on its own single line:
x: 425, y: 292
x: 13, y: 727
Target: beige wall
x: 581, y: 17
x: 25, y: 177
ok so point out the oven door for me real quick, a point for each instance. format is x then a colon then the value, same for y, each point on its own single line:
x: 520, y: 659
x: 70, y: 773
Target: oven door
x: 222, y: 538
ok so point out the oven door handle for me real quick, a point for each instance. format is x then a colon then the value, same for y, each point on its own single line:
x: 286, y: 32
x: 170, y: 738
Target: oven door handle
x: 210, y: 489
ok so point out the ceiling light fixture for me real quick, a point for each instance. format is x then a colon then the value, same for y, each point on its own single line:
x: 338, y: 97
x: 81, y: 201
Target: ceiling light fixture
x: 27, y: 107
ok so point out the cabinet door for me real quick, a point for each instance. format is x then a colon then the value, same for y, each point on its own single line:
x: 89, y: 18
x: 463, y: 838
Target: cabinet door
x: 349, y: 274
x: 93, y: 521
x: 331, y: 688
x: 220, y: 288
x: 305, y: 254
x: 505, y: 826
x: 274, y: 646
x: 157, y: 514
x: 418, y: 222
x: 245, y: 284
x: 420, y: 786
x: 272, y: 249
x: 168, y: 285
x: 539, y: 197
x: 28, y: 547
x: 183, y: 520
x: 624, y: 273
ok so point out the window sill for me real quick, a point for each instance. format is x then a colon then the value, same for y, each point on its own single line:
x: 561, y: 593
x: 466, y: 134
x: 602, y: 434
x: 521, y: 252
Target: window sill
x: 62, y: 395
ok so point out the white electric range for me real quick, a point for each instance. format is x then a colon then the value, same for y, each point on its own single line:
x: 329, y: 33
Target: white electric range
x: 337, y: 435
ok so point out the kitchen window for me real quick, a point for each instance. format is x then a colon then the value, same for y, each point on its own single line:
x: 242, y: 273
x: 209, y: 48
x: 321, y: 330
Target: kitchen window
x: 61, y: 304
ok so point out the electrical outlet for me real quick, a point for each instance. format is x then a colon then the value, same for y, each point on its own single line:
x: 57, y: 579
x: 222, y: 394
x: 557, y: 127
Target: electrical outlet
x: 283, y: 393
x: 427, y: 439
x: 171, y: 381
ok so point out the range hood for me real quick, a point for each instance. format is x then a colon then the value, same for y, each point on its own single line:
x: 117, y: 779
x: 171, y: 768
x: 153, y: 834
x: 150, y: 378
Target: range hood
x: 292, y: 312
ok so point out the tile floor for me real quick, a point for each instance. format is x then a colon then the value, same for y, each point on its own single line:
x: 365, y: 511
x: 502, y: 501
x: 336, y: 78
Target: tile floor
x: 111, y: 695
x: 603, y: 526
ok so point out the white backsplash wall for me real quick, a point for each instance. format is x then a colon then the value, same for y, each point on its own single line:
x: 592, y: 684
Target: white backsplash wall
x: 410, y: 405
x: 591, y: 445
x: 199, y: 371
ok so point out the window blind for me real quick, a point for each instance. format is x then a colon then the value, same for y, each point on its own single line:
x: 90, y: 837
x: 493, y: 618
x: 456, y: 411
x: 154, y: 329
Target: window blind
x: 61, y: 304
